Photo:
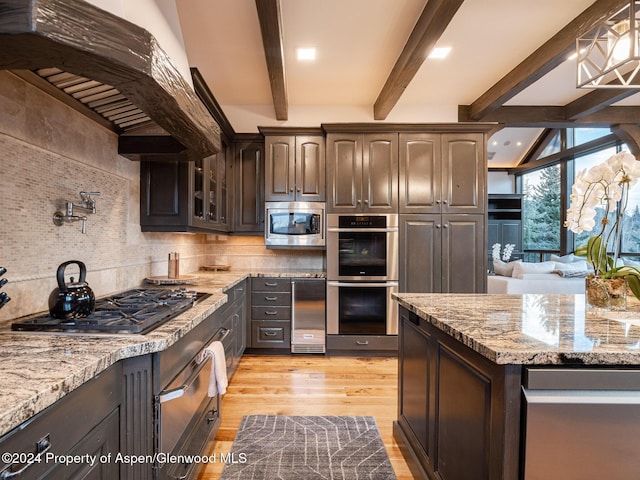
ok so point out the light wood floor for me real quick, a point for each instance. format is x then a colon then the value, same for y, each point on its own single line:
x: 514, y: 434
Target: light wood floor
x: 311, y: 385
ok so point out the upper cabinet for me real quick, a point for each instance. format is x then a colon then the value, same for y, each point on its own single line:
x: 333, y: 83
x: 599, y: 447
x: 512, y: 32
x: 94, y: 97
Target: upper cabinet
x: 294, y: 167
x: 180, y: 196
x: 248, y: 194
x: 362, y: 172
x: 442, y: 173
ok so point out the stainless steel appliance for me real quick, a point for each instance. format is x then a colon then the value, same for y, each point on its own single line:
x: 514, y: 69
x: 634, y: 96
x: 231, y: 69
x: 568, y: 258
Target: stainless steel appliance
x: 294, y: 225
x: 136, y: 311
x: 581, y: 423
x: 362, y: 274
x: 185, y: 415
x: 308, y: 319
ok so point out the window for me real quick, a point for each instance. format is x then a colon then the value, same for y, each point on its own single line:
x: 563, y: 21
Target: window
x: 583, y: 163
x: 541, y: 209
x: 545, y: 199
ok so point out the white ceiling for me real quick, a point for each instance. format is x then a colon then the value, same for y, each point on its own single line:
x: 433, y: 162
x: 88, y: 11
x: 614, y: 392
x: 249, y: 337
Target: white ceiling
x: 358, y: 42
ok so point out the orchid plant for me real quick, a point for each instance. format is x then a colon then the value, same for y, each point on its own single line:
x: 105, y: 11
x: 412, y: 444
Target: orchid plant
x: 606, y: 186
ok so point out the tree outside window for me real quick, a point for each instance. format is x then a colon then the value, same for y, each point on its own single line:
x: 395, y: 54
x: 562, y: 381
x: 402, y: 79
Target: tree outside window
x: 541, y: 209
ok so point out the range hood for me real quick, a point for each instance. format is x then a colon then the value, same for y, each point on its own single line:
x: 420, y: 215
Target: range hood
x: 111, y: 68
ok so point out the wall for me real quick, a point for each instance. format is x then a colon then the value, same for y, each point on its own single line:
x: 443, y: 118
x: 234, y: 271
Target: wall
x: 48, y: 154
x: 500, y: 182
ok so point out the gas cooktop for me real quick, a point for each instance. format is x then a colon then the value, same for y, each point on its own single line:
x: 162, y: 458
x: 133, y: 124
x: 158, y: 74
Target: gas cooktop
x: 135, y: 311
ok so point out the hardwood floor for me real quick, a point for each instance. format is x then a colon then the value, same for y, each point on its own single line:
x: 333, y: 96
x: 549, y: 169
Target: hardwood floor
x: 311, y: 385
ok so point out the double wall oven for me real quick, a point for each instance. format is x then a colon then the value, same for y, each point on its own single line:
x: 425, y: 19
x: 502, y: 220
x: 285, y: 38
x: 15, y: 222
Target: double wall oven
x: 362, y: 273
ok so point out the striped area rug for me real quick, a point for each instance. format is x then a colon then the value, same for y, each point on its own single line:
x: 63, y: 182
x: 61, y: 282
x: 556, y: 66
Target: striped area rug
x: 277, y: 447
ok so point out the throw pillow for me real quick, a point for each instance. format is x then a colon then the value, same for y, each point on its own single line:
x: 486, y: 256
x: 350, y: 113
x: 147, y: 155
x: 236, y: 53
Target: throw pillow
x: 569, y: 258
x: 523, y: 268
x: 503, y: 268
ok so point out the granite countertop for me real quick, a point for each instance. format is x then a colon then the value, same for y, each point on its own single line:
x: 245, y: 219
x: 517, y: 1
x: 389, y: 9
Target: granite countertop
x: 38, y: 369
x: 532, y: 329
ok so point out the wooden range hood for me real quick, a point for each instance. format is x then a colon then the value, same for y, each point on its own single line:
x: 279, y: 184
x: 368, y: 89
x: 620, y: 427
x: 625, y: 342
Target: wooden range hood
x: 111, y: 70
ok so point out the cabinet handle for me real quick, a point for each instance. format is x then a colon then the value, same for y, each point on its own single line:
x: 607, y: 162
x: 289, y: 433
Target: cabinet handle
x: 270, y: 334
x: 271, y: 299
x: 270, y: 313
x: 270, y: 284
x: 42, y: 446
x: 362, y: 342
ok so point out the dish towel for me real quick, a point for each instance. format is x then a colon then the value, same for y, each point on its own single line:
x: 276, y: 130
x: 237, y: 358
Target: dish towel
x: 218, y: 379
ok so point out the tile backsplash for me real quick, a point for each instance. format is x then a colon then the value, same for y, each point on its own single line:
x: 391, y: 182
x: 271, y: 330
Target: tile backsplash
x: 48, y: 154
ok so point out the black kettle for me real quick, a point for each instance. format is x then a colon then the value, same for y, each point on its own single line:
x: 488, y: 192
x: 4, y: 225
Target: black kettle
x: 74, y: 299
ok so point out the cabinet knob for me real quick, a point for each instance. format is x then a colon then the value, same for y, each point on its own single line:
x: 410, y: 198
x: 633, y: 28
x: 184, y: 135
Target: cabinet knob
x: 445, y: 202
x: 358, y: 202
x: 446, y: 225
x: 366, y: 202
x: 291, y: 189
x: 437, y: 202
x: 299, y: 189
x: 438, y: 226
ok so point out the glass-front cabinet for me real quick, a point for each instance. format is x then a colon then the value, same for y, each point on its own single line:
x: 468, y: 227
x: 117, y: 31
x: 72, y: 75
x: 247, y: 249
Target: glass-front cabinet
x: 208, y: 188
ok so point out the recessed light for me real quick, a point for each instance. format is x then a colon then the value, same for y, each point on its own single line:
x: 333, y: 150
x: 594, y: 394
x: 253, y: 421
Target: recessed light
x: 306, y: 53
x: 440, y: 52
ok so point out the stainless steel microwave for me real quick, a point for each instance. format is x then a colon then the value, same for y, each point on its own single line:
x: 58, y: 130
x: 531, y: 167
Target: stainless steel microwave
x: 294, y: 225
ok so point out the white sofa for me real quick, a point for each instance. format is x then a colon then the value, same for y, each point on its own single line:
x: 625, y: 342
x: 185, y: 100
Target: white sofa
x: 534, y: 283
x: 564, y: 275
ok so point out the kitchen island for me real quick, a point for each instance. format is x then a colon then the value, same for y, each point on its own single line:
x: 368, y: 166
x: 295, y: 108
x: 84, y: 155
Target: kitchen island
x: 517, y: 387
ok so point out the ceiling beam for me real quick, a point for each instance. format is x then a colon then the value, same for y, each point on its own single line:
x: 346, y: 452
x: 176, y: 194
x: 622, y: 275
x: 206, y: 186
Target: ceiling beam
x: 554, y: 116
x: 597, y: 100
x: 551, y: 54
x: 271, y: 28
x: 427, y: 31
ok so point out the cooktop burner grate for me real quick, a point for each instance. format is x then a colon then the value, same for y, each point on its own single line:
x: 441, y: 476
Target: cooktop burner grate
x: 135, y: 311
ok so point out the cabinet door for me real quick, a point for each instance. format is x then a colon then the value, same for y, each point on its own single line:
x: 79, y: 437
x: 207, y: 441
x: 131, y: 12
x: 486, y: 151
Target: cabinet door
x: 344, y: 173
x: 280, y: 168
x: 414, y: 378
x: 199, y: 191
x: 249, y: 187
x: 463, y: 254
x: 420, y: 173
x: 164, y: 195
x: 420, y: 253
x: 310, y: 169
x: 464, y: 170
x: 380, y: 173
x: 217, y: 210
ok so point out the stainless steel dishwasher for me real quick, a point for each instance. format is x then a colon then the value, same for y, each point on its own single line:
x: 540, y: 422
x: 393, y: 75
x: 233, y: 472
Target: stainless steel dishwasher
x: 581, y: 424
x: 308, y: 315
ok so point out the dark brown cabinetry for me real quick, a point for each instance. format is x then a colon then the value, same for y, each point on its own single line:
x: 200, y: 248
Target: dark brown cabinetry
x: 181, y: 196
x: 442, y: 205
x: 458, y: 412
x: 86, y: 421
x: 443, y: 253
x: 362, y: 172
x: 295, y: 166
x: 270, y: 324
x: 248, y: 195
x: 442, y: 173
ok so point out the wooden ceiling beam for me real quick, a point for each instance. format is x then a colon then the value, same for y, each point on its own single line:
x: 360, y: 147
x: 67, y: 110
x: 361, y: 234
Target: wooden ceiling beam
x: 554, y: 116
x: 271, y: 28
x: 596, y: 101
x: 427, y: 31
x: 551, y: 54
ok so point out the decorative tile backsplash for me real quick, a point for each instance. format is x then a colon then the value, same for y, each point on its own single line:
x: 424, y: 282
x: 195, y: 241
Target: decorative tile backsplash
x: 48, y: 154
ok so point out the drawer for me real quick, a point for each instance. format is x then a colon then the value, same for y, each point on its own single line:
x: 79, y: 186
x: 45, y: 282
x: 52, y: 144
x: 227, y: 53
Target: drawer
x: 362, y: 342
x: 262, y: 284
x: 271, y: 298
x: 270, y: 334
x: 270, y: 313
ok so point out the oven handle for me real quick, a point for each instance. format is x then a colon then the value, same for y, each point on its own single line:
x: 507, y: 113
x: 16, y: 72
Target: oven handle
x: 362, y: 230
x: 361, y: 284
x: 172, y: 394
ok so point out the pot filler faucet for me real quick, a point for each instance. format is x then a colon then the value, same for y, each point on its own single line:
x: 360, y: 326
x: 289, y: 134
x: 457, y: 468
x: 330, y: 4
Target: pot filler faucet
x: 88, y: 203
